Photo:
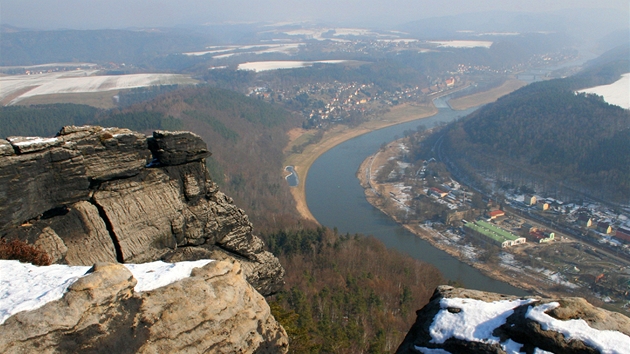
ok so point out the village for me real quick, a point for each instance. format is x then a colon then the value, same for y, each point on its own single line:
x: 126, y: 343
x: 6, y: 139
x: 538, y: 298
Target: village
x: 534, y: 242
x: 327, y: 103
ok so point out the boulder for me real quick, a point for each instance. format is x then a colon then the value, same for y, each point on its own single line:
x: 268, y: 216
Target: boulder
x: 469, y: 321
x: 213, y: 310
x: 176, y: 148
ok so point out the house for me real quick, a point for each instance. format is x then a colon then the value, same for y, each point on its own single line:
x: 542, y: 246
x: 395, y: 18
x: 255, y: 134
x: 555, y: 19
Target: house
x: 438, y: 192
x: 541, y: 235
x: 584, y: 220
x: 496, y: 214
x: 623, y: 234
x: 488, y: 232
x: 529, y: 199
x: 542, y: 205
x: 450, y: 82
x: 604, y: 227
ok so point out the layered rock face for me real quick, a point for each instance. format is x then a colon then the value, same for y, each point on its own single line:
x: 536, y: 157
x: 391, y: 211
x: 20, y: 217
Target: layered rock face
x: 214, y: 310
x: 96, y: 194
x: 469, y: 321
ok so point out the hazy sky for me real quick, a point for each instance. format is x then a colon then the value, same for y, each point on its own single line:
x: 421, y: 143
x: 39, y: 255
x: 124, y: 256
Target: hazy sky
x: 93, y: 14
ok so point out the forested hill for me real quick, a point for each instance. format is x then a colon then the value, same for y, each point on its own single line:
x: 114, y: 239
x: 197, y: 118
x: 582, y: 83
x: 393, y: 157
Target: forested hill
x: 549, y: 130
x: 245, y: 135
x: 96, y: 46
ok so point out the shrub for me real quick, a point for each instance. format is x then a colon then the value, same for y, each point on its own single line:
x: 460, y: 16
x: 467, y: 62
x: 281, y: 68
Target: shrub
x: 23, y: 252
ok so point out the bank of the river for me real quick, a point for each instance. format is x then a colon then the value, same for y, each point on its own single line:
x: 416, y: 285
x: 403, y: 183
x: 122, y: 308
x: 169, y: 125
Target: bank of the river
x: 301, y: 162
x: 485, y: 97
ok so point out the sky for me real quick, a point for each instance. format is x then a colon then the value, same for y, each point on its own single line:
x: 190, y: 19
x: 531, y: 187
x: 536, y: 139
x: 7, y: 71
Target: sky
x: 100, y: 14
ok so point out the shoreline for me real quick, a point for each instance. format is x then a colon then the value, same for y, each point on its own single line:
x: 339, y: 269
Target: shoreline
x: 302, y: 162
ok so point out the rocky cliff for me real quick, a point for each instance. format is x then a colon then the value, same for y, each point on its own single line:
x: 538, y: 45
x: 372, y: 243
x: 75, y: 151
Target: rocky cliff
x: 94, y: 194
x: 214, y: 310
x: 469, y: 321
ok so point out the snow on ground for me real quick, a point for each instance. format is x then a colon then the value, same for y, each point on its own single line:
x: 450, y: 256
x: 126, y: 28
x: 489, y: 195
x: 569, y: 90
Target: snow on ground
x: 617, y: 93
x: 400, y: 40
x: 478, y: 319
x: 26, y: 287
x: 32, y: 140
x: 283, y: 64
x: 462, y: 44
x: 214, y: 51
x: 499, y: 34
x: 605, y: 341
x: 475, y: 322
x: 81, y: 81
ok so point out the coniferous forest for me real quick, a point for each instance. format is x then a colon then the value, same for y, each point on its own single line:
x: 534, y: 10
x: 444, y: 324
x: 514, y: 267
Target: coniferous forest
x: 547, y: 133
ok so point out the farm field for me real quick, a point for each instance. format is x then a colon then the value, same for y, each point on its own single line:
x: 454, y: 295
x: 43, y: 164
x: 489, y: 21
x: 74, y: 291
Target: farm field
x: 16, y: 88
x: 462, y: 44
x: 283, y: 64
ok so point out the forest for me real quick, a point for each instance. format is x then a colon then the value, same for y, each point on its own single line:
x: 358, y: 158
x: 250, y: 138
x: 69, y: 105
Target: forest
x: 546, y: 131
x: 347, y: 293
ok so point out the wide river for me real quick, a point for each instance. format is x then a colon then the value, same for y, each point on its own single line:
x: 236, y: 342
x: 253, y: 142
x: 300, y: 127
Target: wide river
x: 336, y: 199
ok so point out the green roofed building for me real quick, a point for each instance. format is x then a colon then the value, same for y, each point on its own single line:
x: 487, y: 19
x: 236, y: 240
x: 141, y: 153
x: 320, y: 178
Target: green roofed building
x: 491, y: 233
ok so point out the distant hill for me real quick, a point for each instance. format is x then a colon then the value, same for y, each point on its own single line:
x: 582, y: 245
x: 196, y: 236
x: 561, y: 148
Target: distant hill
x: 548, y: 136
x: 579, y: 24
x: 20, y: 47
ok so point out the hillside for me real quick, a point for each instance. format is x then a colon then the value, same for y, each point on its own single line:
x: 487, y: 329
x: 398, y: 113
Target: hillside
x: 545, y: 133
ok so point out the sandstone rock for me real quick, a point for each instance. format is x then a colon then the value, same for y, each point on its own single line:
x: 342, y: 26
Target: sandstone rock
x: 6, y: 149
x: 93, y: 188
x: 517, y: 328
x: 52, y: 243
x: 214, y: 310
x: 176, y: 148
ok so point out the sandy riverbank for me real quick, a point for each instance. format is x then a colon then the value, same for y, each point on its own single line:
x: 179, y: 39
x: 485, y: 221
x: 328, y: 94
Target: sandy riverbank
x: 303, y: 161
x: 485, y: 97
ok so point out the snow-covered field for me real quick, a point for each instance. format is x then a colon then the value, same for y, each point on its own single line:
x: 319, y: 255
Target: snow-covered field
x: 463, y: 44
x: 228, y: 51
x: 25, y: 287
x: 617, y: 93
x: 283, y: 64
x: 80, y: 81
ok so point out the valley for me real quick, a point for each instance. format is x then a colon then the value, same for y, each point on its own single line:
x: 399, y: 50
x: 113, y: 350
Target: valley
x: 242, y: 143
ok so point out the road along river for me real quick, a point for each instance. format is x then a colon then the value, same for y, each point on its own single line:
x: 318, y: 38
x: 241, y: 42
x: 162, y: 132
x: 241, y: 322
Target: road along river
x: 336, y: 199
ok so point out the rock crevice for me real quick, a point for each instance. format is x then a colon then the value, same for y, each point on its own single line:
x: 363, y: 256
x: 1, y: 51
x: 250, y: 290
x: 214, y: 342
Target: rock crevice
x: 110, y: 231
